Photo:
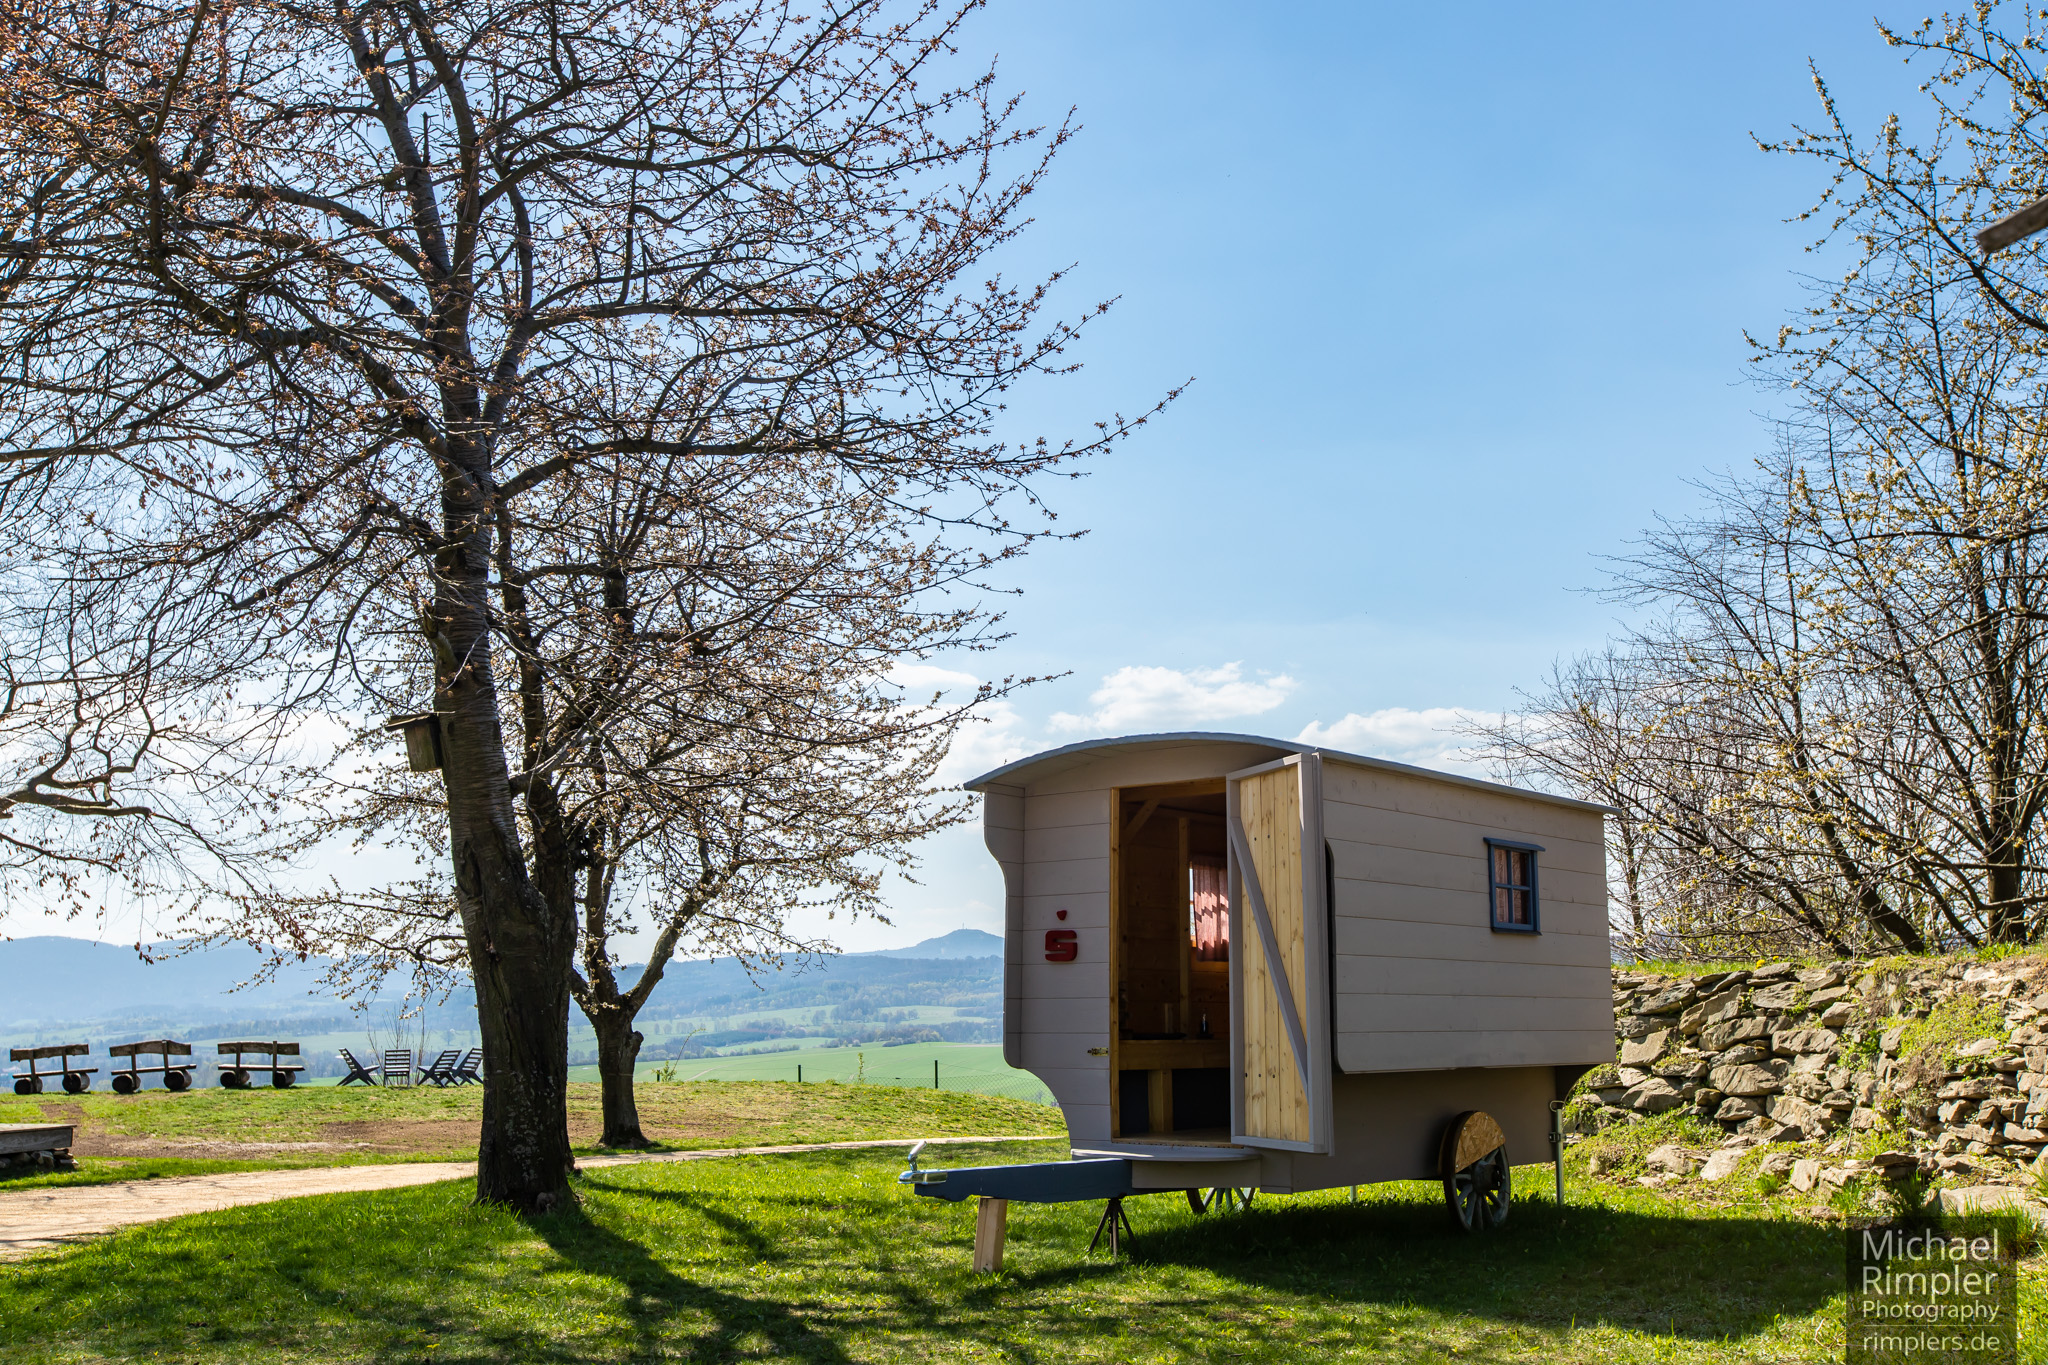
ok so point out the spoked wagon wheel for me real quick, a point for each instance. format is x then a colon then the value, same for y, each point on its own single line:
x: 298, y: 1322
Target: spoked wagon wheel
x: 1474, y: 1165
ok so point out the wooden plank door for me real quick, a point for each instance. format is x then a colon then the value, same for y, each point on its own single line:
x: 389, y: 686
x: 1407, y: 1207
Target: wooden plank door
x: 1279, y: 956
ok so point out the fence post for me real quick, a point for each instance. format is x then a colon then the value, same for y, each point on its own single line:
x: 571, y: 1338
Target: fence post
x: 799, y: 1073
x: 935, y: 1073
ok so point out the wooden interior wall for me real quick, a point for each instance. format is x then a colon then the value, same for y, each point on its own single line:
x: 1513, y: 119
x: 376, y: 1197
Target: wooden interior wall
x: 1275, y: 1102
x: 1153, y: 914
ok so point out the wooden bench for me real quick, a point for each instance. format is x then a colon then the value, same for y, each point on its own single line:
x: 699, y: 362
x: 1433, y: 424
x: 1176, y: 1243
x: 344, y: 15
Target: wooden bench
x: 36, y: 1144
x: 30, y: 1082
x: 177, y: 1075
x: 282, y: 1074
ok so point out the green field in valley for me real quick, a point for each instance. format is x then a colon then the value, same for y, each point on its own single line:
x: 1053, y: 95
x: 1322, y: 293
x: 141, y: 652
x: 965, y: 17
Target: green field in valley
x: 976, y: 1067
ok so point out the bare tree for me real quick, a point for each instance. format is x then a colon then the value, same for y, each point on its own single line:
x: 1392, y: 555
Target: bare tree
x: 355, y: 294
x: 128, y: 776
x: 1843, y: 735
x: 729, y: 743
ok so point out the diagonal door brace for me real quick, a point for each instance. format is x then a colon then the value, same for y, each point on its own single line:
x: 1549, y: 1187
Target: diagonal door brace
x: 1296, y: 1039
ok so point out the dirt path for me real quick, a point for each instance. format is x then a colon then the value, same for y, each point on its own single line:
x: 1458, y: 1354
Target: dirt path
x: 38, y: 1219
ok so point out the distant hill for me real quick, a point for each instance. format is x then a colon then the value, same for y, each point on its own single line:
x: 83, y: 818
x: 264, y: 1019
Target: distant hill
x: 55, y: 979
x: 54, y: 983
x: 959, y: 943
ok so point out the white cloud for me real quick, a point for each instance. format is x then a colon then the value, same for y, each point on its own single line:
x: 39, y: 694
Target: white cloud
x: 932, y: 678
x: 1428, y: 738
x: 995, y: 736
x: 1137, y: 698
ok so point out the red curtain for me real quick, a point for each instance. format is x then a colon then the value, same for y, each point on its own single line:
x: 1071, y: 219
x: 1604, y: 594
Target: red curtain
x: 1209, y: 899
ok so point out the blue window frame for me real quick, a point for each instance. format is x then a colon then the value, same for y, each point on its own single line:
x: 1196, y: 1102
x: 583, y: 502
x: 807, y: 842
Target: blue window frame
x: 1513, y: 906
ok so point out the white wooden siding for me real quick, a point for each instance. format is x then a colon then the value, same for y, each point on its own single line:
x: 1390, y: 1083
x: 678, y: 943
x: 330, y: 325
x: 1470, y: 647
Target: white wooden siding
x: 1419, y: 978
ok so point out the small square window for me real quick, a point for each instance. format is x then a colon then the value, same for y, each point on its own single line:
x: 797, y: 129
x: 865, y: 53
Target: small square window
x: 1511, y: 886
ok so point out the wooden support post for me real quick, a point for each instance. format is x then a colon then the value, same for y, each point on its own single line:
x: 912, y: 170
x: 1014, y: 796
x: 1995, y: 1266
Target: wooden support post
x: 1159, y: 1099
x: 991, y: 1225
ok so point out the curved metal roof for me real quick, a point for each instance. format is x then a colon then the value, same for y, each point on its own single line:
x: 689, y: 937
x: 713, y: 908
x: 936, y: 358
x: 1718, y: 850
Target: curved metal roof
x: 1069, y: 755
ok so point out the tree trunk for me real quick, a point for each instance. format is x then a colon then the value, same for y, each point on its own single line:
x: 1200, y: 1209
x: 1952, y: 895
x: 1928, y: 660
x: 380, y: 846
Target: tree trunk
x: 521, y: 947
x: 520, y: 956
x: 618, y: 1048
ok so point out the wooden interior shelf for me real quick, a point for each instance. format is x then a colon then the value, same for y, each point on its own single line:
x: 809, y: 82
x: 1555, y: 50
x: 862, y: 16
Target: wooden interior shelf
x: 1171, y: 1054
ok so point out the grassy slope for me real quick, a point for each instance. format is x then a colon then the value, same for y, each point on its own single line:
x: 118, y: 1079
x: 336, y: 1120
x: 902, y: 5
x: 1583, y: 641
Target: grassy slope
x: 681, y: 1116
x: 824, y: 1258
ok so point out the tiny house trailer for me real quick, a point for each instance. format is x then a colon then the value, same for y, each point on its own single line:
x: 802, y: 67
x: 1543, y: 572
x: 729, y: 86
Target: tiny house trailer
x: 1252, y: 963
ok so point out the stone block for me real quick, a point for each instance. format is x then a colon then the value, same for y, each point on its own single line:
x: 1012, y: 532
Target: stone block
x: 1678, y: 1069
x: 1721, y: 1164
x: 1673, y: 1159
x: 1804, y: 1040
x: 1866, y: 1120
x: 1837, y: 1014
x: 1775, y: 971
x: 1745, y: 1080
x: 1718, y: 1009
x: 1777, y: 1163
x: 1782, y: 996
x: 1982, y: 1047
x: 2020, y: 1132
x: 1720, y: 1037
x: 1740, y: 1053
x: 1893, y: 1038
x: 1737, y: 1108
x: 1820, y: 978
x: 1957, y: 1199
x: 1636, y: 1025
x: 1821, y: 1000
x: 1977, y: 1133
x: 1654, y: 1096
x: 1968, y: 1088
x: 1794, y: 1112
x: 1669, y: 1001
x: 1805, y: 1174
x: 1646, y: 1049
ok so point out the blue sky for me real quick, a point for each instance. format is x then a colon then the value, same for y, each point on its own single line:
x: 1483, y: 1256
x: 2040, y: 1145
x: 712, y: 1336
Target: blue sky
x: 1462, y: 293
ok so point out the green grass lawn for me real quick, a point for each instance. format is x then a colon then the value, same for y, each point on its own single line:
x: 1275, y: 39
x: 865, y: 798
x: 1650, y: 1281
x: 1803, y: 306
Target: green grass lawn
x: 825, y: 1258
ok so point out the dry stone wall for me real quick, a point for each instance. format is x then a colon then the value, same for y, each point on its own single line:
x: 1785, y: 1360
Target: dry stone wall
x: 1929, y: 1063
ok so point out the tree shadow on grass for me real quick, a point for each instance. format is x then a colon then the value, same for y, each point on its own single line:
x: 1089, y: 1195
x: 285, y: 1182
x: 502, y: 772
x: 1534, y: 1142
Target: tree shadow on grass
x: 1547, y: 1268
x: 656, y: 1295
x: 760, y: 1247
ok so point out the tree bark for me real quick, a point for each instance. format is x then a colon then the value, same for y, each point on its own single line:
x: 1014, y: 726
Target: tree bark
x: 618, y: 1049
x: 521, y: 947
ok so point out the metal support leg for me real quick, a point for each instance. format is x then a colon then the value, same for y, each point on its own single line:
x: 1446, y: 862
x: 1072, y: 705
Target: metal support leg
x: 1116, y: 1224
x: 1557, y: 1145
